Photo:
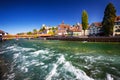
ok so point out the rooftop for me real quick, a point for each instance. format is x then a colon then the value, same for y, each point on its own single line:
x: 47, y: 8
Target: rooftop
x: 2, y: 32
x: 117, y: 19
x: 97, y: 24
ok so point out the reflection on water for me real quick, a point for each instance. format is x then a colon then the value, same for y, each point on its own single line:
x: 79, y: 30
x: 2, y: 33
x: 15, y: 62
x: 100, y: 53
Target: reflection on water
x: 51, y: 60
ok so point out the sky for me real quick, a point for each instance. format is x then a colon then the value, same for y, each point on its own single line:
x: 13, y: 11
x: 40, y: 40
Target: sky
x: 18, y: 16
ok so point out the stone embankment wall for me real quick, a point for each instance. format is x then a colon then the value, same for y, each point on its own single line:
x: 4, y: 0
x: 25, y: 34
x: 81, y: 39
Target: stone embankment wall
x: 88, y: 39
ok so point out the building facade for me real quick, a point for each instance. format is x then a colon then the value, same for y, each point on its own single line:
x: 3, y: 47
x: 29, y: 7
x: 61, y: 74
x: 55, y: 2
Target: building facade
x: 95, y: 28
x: 116, y: 28
x: 63, y: 29
x: 76, y: 30
x: 1, y: 34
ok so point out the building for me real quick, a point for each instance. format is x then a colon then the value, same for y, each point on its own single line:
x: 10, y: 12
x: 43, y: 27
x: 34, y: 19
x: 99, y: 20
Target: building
x: 63, y: 29
x: 95, y: 28
x: 76, y: 30
x: 116, y: 28
x: 1, y: 34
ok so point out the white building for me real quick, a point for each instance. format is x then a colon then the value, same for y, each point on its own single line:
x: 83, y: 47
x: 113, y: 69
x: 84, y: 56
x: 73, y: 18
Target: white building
x: 116, y: 28
x: 95, y: 28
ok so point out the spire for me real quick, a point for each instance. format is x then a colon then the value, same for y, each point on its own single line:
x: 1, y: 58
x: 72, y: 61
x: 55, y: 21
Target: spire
x: 78, y: 23
x: 63, y: 22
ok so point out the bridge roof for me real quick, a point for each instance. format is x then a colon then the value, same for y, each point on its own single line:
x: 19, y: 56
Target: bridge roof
x: 2, y: 32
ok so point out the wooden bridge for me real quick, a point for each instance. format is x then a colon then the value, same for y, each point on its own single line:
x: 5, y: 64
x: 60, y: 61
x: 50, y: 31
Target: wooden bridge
x: 25, y: 36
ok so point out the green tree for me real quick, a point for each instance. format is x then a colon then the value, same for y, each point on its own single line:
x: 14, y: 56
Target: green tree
x: 29, y: 33
x: 35, y: 31
x: 56, y: 28
x: 20, y: 33
x: 84, y: 21
x: 108, y: 19
x: 53, y: 28
x: 42, y: 29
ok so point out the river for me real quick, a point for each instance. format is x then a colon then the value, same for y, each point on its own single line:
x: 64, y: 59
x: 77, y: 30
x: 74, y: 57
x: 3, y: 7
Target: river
x: 59, y: 60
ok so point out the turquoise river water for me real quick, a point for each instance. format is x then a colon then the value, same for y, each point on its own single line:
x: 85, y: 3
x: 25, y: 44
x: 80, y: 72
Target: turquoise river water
x: 60, y: 60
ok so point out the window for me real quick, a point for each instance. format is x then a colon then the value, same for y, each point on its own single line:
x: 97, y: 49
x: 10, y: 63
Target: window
x: 118, y: 30
x: 118, y: 23
x: 115, y: 23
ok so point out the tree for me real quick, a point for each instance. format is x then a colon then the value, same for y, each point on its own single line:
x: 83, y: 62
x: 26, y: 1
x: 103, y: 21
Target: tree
x: 108, y: 19
x: 35, y: 31
x: 51, y: 32
x: 20, y: 33
x: 84, y: 20
x: 42, y: 30
x: 53, y: 28
x: 29, y: 33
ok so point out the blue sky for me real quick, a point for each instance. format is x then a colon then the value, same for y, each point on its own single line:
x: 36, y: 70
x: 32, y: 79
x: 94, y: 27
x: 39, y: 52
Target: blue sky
x: 25, y: 15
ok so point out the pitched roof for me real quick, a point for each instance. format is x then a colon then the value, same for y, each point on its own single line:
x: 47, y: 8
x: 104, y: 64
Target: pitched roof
x: 117, y: 19
x: 2, y: 32
x: 97, y: 24
x: 76, y: 28
x: 63, y: 26
x: 61, y: 31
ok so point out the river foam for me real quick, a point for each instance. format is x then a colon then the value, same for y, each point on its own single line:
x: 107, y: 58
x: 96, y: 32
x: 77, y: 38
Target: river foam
x: 18, y: 48
x: 39, y: 60
x: 109, y: 77
x: 66, y: 67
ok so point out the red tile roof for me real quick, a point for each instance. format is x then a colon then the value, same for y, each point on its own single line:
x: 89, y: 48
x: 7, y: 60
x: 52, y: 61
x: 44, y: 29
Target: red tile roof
x: 61, y: 31
x: 117, y: 19
x: 97, y: 24
x: 76, y: 28
x: 64, y: 26
x: 1, y: 32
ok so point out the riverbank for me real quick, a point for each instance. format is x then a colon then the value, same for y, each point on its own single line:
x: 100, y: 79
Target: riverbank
x: 88, y: 39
